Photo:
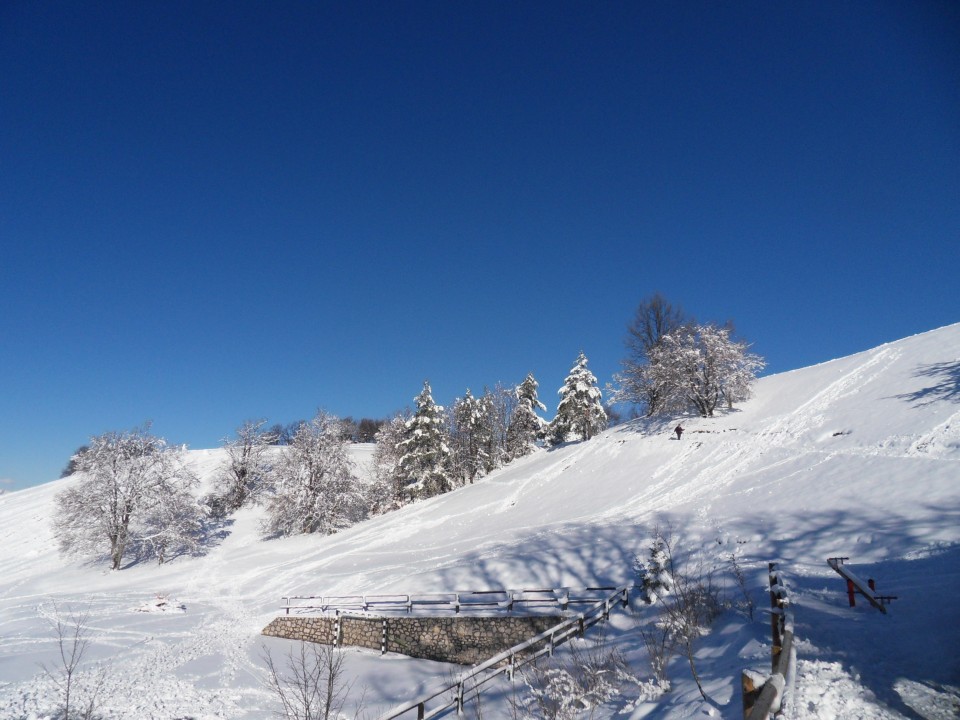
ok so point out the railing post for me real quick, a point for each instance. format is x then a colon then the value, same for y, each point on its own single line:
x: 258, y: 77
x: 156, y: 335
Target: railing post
x: 420, y: 711
x: 460, y: 698
x: 383, y: 638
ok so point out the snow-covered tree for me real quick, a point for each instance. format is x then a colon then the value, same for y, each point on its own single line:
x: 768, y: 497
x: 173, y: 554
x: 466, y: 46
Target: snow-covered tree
x: 424, y: 452
x: 133, y: 492
x: 699, y: 366
x: 526, y: 427
x: 386, y: 491
x: 245, y: 470
x: 470, y: 437
x: 654, y: 318
x: 498, y: 405
x: 581, y: 408
x: 314, y: 488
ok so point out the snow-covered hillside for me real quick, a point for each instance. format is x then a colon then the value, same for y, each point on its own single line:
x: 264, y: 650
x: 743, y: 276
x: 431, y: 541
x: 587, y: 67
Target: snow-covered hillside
x: 857, y: 457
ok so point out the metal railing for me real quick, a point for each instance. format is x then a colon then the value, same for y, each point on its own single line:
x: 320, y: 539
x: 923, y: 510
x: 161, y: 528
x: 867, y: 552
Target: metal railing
x: 452, y: 696
x: 498, y: 601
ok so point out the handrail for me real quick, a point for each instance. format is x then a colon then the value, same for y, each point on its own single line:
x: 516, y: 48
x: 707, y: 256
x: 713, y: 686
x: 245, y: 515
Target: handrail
x: 509, y: 661
x: 470, y: 600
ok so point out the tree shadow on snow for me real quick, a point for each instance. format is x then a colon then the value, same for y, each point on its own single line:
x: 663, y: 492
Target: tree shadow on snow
x: 947, y: 387
x: 884, y: 651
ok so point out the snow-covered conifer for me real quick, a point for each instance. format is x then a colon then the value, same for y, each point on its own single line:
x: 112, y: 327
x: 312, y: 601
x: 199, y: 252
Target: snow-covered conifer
x: 314, y: 488
x: 133, y: 489
x: 424, y: 452
x: 526, y: 427
x: 581, y: 408
x: 657, y: 578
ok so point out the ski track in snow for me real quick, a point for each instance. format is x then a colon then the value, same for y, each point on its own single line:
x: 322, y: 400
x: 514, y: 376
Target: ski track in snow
x: 570, y: 515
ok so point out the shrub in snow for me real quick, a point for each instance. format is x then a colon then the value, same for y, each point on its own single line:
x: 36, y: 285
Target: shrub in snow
x: 584, y: 682
x: 688, y: 603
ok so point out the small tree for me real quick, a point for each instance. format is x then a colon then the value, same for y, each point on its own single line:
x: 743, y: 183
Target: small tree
x: 314, y: 489
x: 424, y: 452
x: 129, y: 483
x: 78, y: 701
x: 688, y: 603
x: 312, y: 686
x: 581, y: 408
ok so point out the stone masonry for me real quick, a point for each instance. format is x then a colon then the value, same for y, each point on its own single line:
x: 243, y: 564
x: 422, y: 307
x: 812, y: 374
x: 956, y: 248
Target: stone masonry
x: 464, y: 640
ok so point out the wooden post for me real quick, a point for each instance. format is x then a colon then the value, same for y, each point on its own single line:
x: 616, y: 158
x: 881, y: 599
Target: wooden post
x: 851, y: 593
x: 750, y: 693
x: 420, y: 711
x: 872, y: 584
x: 460, y: 698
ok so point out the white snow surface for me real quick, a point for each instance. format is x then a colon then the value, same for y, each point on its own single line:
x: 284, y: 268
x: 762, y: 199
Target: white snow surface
x: 858, y: 457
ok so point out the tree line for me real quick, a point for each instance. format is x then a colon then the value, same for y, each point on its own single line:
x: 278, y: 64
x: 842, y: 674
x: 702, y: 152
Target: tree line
x: 136, y: 498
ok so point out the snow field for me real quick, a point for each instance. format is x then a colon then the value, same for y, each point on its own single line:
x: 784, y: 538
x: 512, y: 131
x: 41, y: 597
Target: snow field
x: 857, y: 457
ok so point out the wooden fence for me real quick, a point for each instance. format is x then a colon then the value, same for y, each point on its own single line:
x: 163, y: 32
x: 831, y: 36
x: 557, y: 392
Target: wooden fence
x: 453, y: 696
x: 760, y: 702
x: 527, y: 601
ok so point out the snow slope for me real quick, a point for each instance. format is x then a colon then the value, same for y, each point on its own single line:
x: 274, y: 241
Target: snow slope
x: 857, y: 457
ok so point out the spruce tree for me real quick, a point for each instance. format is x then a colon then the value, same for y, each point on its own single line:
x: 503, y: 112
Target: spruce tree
x: 526, y: 427
x: 581, y: 408
x: 424, y: 453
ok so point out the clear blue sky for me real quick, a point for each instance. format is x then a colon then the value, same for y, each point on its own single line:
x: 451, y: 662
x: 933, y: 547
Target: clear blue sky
x: 211, y: 212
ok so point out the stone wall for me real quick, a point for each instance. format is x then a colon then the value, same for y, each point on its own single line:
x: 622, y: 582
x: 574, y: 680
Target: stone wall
x: 464, y: 640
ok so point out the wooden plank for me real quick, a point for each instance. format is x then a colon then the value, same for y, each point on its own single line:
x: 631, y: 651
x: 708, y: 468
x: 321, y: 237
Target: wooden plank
x: 863, y: 587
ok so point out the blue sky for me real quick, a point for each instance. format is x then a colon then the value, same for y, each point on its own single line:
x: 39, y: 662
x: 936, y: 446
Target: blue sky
x: 211, y: 212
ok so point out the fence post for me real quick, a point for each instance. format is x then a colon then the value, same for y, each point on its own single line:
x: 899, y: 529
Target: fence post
x: 460, y: 698
x: 336, y: 630
x: 420, y: 711
x: 383, y: 638
x: 851, y: 593
x: 750, y: 693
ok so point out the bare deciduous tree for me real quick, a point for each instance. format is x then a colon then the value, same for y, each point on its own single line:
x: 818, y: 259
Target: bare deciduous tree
x: 312, y: 685
x: 687, y: 605
x: 73, y: 639
x: 654, y: 318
